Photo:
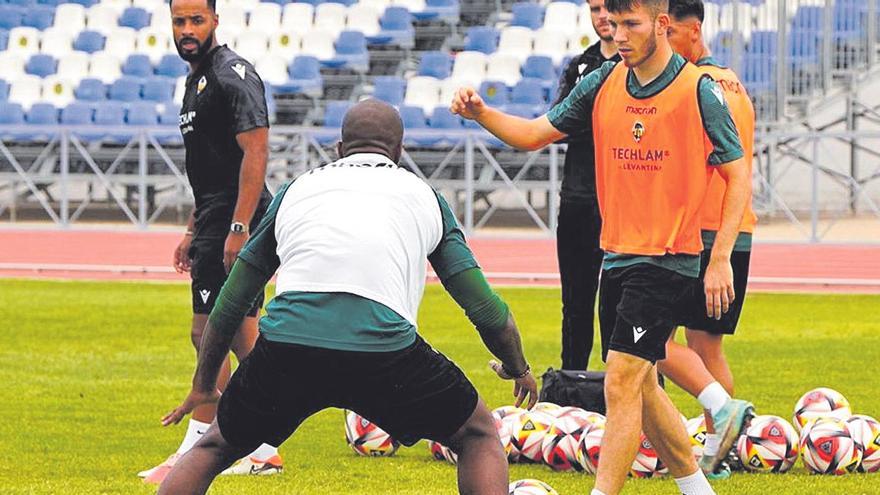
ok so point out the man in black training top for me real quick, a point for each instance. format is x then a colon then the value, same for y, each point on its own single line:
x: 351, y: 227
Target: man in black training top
x: 349, y: 243
x: 225, y: 129
x: 577, y: 234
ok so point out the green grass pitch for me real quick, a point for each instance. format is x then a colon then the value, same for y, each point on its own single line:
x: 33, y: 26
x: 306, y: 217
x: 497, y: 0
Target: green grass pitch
x: 87, y: 370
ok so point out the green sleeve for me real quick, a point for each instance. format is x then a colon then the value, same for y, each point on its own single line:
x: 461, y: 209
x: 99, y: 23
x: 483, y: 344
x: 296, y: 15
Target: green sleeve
x: 260, y: 251
x: 452, y: 255
x: 574, y: 114
x: 244, y: 283
x: 718, y: 123
x: 483, y: 307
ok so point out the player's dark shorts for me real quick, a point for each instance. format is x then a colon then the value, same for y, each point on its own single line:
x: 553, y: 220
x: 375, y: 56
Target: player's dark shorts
x: 639, y: 306
x: 412, y: 394
x: 739, y: 261
x: 208, y: 275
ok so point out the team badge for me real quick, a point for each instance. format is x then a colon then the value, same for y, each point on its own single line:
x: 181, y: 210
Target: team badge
x: 718, y: 94
x: 638, y: 131
x: 240, y: 70
x: 201, y: 86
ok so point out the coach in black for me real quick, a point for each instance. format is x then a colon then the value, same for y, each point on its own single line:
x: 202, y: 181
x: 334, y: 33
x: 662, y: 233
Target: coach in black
x: 577, y: 233
x: 225, y: 126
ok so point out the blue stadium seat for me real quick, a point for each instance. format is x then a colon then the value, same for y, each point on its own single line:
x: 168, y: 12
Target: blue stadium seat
x: 494, y: 93
x: 91, y: 90
x: 523, y: 110
x: 389, y: 89
x: 51, y: 3
x: 442, y: 118
x: 279, y: 2
x: 39, y: 16
x: 440, y: 9
x: 540, y: 67
x: 170, y: 115
x: 41, y: 65
x: 333, y: 115
x: 528, y: 92
x: 142, y: 114
x: 808, y: 18
x: 305, y: 77
x: 171, y: 66
x: 11, y: 113
x: 135, y: 18
x: 89, y: 41
x: 22, y: 3
x: 77, y: 113
x: 42, y: 114
x: 4, y: 90
x: 481, y: 39
x: 112, y: 115
x: 397, y: 28
x: 849, y: 20
x: 84, y: 3
x: 158, y: 89
x: 528, y: 14
x: 351, y: 51
x: 4, y: 38
x: 169, y: 118
x: 137, y: 65
x: 436, y: 64
x: 126, y: 88
x: 763, y: 43
x: 757, y: 74
x: 414, y: 125
x: 803, y: 48
x: 312, y: 2
x: 10, y: 16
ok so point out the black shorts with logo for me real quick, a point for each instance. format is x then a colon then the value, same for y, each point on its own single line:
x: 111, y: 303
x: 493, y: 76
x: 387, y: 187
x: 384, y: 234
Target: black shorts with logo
x: 639, y: 306
x: 739, y: 261
x: 208, y: 275
x: 412, y: 394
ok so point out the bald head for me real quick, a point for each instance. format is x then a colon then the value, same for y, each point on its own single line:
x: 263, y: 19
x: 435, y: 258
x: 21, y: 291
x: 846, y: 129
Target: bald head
x: 372, y: 126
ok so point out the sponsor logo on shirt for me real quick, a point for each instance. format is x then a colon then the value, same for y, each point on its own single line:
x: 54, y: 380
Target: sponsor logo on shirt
x: 638, y: 131
x: 641, y: 110
x: 185, y: 122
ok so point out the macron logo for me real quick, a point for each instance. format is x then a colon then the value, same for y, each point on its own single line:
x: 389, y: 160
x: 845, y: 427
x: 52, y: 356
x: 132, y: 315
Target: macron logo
x: 638, y: 333
x: 205, y: 295
x: 240, y: 70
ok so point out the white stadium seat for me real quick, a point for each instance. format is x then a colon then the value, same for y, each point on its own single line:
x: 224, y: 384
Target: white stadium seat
x: 161, y: 17
x: 57, y: 91
x: 150, y: 5
x: 56, y: 42
x: 285, y: 44
x: 247, y: 5
x: 330, y: 17
x: 363, y: 18
x: 24, y: 41
x: 228, y: 33
x: 102, y: 18
x: 516, y: 41
x: 552, y: 43
x: 232, y: 15
x: 712, y: 13
x: 121, y: 42
x: 154, y: 43
x: 411, y: 5
x: 470, y: 67
x: 74, y: 67
x: 265, y: 17
x: 378, y: 5
x: 104, y: 66
x: 744, y: 26
x: 13, y: 65
x: 298, y: 17
x: 272, y: 69
x: 179, y: 89
x: 26, y: 90
x: 424, y: 92
x: 252, y: 44
x: 118, y: 5
x: 503, y: 67
x: 448, y: 88
x: 585, y: 23
x: 577, y: 43
x: 319, y: 44
x: 70, y: 17
x: 561, y: 17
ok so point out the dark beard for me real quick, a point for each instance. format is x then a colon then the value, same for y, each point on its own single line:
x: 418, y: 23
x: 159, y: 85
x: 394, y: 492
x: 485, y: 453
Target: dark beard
x: 200, y: 52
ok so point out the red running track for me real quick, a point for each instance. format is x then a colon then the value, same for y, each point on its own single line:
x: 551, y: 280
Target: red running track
x: 126, y: 255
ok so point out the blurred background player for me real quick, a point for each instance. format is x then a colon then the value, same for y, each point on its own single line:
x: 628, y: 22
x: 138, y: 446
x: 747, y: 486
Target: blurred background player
x: 225, y: 130
x: 652, y: 262
x: 703, y: 370
x: 577, y: 233
x: 349, y: 242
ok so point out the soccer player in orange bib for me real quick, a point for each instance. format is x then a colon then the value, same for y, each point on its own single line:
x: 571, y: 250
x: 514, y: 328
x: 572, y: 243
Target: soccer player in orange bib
x: 702, y: 370
x: 661, y: 127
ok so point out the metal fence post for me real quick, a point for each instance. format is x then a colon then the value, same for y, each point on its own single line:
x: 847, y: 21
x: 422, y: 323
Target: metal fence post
x: 64, y: 137
x: 827, y: 45
x: 469, y: 184
x: 781, y: 69
x: 736, y: 49
x: 142, y: 179
x: 872, y: 32
x: 814, y: 192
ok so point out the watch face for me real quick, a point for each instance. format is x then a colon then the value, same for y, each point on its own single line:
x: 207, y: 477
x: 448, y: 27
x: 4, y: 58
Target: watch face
x: 238, y: 228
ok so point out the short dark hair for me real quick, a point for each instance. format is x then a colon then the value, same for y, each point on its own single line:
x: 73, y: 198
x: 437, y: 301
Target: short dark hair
x: 618, y: 6
x: 212, y: 4
x: 683, y: 9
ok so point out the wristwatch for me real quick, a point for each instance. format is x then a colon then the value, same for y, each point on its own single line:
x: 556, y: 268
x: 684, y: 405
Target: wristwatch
x: 238, y: 228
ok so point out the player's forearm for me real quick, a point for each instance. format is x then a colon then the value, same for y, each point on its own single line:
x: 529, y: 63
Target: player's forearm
x: 191, y: 221
x: 520, y: 133
x: 505, y: 344
x: 733, y: 207
x: 250, y: 184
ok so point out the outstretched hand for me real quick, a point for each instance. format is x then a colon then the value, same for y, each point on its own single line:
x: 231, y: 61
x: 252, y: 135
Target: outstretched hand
x: 467, y: 103
x: 192, y: 401
x: 523, y: 387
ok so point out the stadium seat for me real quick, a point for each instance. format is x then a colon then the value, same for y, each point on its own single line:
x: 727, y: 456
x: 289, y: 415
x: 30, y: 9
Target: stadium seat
x: 4, y: 38
x: 442, y: 118
x: 423, y: 91
x: 351, y: 51
x: 85, y: 3
x: 551, y: 42
x: 319, y: 44
x: 285, y: 43
x: 529, y: 92
x: 378, y: 5
x: 389, y: 89
x: 105, y: 67
x: 119, y: 5
x: 150, y: 5
x: 469, y: 67
x: 26, y: 90
x: 448, y: 89
x: 13, y: 65
x: 137, y: 65
x: 91, y: 89
x: 413, y: 6
x: 540, y: 67
x: 481, y: 39
x: 41, y: 114
x: 272, y: 69
x: 413, y: 117
x: 179, y: 90
x: 227, y: 33
x: 169, y: 115
x: 561, y: 17
x: 40, y: 65
x: 763, y: 43
x: 363, y: 18
x: 528, y: 14
x: 252, y: 44
x: 232, y: 15
x: 297, y: 17
x: 503, y: 67
x: 523, y: 110
x: 56, y: 42
x: 4, y: 90
x: 111, y: 115
x: 577, y: 43
x: 142, y: 114
x: 305, y: 77
x: 516, y: 41
x: 120, y: 42
x: 397, y: 28
x: 89, y: 42
x: 265, y: 17
x: 436, y: 64
x: 159, y: 89
x: 333, y: 115
x: 39, y: 17
x: 247, y: 5
x: 11, y: 16
x: 447, y: 10
x: 171, y: 66
x: 77, y: 113
x: 725, y: 21
x: 70, y: 17
x: 495, y: 93
x: 24, y: 41
x: 11, y: 113
x: 126, y: 89
x: 73, y: 67
x: 585, y: 24
x: 57, y: 91
x: 757, y: 73
x: 160, y: 17
x: 102, y: 18
x: 154, y: 43
x: 330, y: 17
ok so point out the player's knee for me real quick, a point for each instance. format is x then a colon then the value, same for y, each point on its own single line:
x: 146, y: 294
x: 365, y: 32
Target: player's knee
x: 479, y: 427
x: 620, y: 388
x: 196, y: 337
x: 704, y: 344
